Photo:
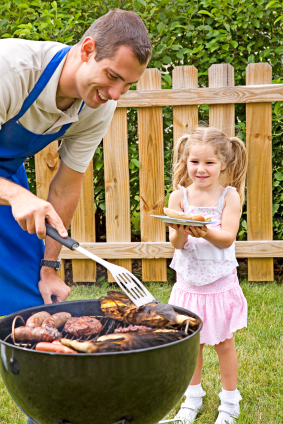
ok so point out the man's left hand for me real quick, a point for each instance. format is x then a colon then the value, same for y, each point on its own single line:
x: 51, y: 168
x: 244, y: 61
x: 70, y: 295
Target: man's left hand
x: 51, y: 285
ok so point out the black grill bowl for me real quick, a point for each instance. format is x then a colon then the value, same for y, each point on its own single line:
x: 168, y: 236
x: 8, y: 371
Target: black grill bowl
x: 141, y: 386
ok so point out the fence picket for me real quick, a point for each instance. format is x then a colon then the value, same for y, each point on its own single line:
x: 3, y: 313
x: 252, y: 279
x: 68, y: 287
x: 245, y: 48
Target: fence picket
x: 151, y: 156
x: 117, y: 186
x: 46, y: 165
x: 259, y: 177
x: 83, y: 228
x: 222, y: 116
x: 185, y: 118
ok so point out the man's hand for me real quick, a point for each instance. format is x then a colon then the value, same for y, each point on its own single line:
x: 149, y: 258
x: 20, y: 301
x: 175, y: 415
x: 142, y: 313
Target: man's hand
x: 51, y: 285
x: 30, y: 211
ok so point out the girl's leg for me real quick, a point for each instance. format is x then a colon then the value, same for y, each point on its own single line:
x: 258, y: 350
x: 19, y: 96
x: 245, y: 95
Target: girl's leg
x: 197, y: 374
x: 228, y: 361
x: 194, y: 394
x: 230, y: 396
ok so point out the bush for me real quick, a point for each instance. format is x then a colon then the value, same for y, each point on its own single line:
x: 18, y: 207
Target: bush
x: 183, y: 32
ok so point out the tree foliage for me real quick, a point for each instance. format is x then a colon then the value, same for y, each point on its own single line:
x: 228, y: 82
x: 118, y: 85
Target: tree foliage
x: 183, y: 32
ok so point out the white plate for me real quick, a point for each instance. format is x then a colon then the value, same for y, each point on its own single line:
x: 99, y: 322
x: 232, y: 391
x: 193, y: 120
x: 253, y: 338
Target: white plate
x: 169, y: 220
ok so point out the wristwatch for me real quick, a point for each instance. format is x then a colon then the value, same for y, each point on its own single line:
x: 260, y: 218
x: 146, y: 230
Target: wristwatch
x: 52, y: 264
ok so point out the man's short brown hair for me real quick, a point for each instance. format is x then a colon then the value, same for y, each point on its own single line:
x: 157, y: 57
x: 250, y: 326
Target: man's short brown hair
x: 119, y: 28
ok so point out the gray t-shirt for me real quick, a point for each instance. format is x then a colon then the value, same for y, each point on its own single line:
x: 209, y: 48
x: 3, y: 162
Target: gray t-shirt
x: 21, y: 64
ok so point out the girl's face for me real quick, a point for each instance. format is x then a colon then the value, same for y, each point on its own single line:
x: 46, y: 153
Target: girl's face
x: 203, y: 166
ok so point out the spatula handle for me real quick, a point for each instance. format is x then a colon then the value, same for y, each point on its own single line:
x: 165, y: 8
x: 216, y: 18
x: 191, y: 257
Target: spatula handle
x: 67, y: 241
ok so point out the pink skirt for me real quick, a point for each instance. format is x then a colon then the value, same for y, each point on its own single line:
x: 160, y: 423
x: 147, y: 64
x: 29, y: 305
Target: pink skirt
x: 221, y: 305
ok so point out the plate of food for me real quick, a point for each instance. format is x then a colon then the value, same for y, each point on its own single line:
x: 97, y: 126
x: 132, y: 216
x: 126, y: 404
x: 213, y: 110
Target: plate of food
x: 175, y: 217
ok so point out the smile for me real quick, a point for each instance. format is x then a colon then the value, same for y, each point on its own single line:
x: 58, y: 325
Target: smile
x: 101, y: 96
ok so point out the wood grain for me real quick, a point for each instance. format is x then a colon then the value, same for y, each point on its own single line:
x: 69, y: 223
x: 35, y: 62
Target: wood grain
x: 185, y: 118
x: 117, y: 186
x: 222, y: 116
x: 259, y: 177
x: 46, y: 165
x: 150, y: 250
x: 83, y: 228
x: 151, y: 156
x: 202, y: 96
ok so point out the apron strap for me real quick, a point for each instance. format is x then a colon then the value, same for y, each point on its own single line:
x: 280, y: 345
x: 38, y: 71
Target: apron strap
x: 43, y: 80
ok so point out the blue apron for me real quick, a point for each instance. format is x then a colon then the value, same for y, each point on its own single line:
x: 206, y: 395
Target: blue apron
x: 21, y: 252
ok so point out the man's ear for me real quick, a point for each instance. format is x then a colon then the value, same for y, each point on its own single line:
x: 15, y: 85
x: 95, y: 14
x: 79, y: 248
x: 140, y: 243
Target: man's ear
x: 88, y: 47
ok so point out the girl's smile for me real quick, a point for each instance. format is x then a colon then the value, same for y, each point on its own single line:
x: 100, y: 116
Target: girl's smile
x: 203, y: 166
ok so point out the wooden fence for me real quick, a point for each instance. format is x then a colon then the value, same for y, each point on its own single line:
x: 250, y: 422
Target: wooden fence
x: 185, y: 97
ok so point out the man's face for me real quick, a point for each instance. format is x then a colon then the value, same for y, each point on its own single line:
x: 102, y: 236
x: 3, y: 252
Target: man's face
x: 98, y: 82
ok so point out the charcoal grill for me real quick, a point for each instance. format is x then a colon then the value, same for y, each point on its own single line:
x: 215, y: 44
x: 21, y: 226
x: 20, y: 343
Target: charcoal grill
x: 138, y: 386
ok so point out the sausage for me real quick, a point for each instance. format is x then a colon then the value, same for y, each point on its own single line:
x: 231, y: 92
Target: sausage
x: 37, y: 334
x: 55, y: 347
x: 56, y: 320
x: 37, y: 319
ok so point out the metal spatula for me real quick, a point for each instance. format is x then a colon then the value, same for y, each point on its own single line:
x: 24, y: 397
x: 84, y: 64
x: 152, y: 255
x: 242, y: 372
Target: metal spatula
x: 133, y: 288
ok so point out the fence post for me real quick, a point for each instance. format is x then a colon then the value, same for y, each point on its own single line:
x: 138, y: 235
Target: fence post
x: 83, y: 228
x: 259, y: 178
x: 46, y: 165
x: 185, y: 118
x: 117, y: 186
x: 151, y: 156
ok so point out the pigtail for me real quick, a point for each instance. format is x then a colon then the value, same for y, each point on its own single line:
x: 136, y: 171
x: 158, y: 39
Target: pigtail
x: 180, y: 171
x: 236, y: 168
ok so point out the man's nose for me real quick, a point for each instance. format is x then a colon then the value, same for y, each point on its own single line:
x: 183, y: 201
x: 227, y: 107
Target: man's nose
x: 115, y: 92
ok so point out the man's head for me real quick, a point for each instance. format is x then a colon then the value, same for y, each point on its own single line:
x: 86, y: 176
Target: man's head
x: 119, y: 28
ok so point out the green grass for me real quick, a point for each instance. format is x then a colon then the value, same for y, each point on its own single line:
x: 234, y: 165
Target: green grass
x: 259, y: 349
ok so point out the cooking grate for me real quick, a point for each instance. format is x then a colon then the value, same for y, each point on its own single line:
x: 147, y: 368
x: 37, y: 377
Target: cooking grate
x: 108, y: 327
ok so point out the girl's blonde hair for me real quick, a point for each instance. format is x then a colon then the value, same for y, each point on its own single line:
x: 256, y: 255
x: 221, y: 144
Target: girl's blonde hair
x: 231, y: 152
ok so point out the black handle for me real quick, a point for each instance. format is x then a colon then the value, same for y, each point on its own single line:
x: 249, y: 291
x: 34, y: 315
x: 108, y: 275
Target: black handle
x: 68, y: 241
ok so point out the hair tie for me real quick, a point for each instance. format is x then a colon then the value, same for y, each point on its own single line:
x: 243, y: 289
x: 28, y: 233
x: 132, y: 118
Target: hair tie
x: 231, y: 140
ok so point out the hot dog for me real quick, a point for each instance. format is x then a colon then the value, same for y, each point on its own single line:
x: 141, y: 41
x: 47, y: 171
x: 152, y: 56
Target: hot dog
x: 55, y: 347
x: 56, y: 320
x: 36, y: 320
x: 189, y: 216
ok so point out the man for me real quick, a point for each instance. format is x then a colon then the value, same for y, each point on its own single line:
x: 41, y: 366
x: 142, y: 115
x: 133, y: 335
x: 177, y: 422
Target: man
x: 49, y: 91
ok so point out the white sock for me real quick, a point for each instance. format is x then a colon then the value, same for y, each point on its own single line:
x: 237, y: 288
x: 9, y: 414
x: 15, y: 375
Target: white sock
x: 192, y: 405
x: 229, y: 408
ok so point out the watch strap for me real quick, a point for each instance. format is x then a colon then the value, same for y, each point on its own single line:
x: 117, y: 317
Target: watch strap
x: 51, y: 264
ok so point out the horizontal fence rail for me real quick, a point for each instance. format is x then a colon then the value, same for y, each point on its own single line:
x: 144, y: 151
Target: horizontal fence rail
x: 185, y: 97
x: 157, y: 250
x: 202, y: 96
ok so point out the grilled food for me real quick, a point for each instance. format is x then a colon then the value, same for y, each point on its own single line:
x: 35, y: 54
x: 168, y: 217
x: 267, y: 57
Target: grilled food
x: 37, y: 320
x: 189, y: 216
x: 118, y: 306
x: 38, y: 334
x: 56, y: 320
x: 127, y: 341
x: 83, y: 326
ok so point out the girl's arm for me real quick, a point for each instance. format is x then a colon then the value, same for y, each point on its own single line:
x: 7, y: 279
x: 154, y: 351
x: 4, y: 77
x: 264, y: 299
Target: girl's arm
x: 229, y: 226
x: 177, y: 236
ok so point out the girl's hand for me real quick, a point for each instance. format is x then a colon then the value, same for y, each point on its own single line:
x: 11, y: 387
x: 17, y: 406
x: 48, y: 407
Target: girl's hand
x: 179, y: 228
x: 197, y: 231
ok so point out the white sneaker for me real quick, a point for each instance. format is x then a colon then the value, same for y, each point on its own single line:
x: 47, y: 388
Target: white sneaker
x: 189, y: 410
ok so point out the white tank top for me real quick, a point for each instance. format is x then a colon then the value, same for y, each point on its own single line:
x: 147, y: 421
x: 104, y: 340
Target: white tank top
x: 200, y: 262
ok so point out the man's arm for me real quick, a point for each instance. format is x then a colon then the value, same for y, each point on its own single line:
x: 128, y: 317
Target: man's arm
x: 64, y: 193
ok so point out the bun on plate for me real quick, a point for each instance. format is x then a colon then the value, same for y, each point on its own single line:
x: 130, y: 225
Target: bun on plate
x: 181, y: 215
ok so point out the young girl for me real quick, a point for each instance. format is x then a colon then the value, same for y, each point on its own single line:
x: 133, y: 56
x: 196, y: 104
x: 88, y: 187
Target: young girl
x: 209, y: 179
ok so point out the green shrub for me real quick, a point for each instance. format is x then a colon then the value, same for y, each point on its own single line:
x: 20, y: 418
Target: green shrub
x: 183, y: 32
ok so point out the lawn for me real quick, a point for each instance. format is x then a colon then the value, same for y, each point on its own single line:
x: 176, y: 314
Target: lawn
x: 259, y: 349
